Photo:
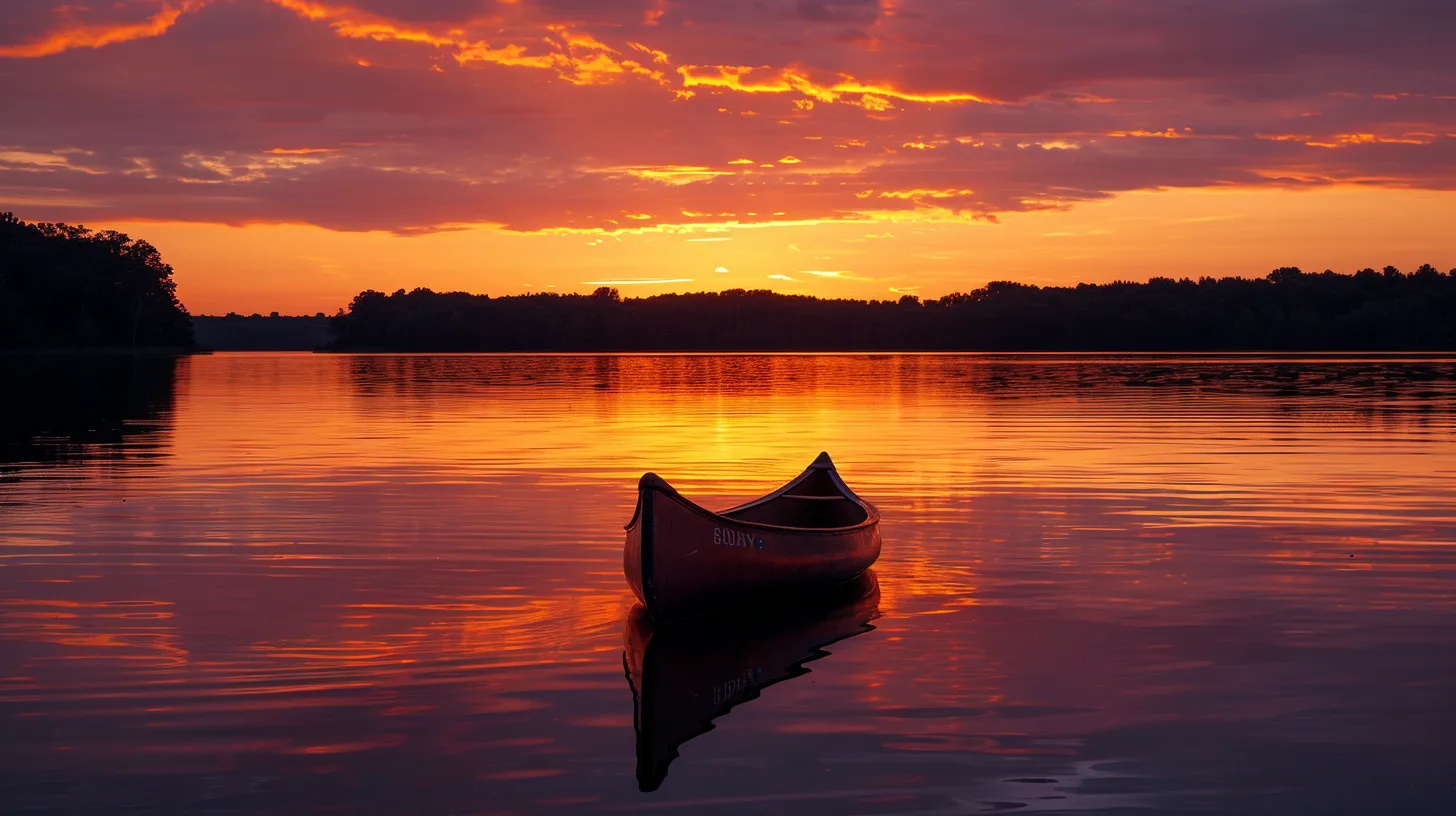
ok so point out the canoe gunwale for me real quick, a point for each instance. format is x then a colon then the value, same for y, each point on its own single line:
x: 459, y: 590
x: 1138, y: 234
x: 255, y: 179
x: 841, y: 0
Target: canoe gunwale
x: 872, y: 513
x: 871, y: 520
x: 652, y: 481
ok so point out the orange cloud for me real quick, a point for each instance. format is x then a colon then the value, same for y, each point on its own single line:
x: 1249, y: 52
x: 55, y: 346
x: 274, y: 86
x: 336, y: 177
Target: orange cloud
x: 477, y: 145
x: 1345, y: 139
x: 846, y: 89
x: 576, y: 57
x: 1147, y: 134
x: 350, y: 22
x: 651, y: 16
x: 1350, y: 139
x: 98, y: 36
x: 668, y: 173
x: 657, y: 56
x: 913, y: 195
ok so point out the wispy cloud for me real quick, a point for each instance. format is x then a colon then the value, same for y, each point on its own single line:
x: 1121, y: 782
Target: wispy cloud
x: 636, y: 282
x: 73, y: 34
x: 834, y: 274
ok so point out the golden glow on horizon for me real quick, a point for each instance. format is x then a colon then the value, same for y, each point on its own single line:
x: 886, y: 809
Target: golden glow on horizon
x: 299, y: 269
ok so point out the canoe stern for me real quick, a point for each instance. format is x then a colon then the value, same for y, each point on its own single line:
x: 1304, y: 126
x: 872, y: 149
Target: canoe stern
x: 637, y: 557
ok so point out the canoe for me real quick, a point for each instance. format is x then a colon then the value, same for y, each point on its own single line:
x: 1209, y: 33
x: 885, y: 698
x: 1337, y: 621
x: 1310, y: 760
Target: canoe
x: 685, y: 674
x: 812, y: 533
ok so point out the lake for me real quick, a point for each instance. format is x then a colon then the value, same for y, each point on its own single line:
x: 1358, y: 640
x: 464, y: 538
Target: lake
x: 292, y: 583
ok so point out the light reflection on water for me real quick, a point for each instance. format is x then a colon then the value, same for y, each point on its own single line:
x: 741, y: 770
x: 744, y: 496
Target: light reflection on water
x: 286, y: 582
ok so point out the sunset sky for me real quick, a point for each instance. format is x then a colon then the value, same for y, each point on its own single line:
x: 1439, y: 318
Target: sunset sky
x: 285, y: 154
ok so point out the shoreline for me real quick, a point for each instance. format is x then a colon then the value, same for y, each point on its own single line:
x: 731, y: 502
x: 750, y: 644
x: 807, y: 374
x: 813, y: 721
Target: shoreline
x: 104, y: 351
x: 1383, y: 354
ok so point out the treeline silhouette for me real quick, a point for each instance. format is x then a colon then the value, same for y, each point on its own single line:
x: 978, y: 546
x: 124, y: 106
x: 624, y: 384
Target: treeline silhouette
x: 1287, y: 310
x: 67, y: 287
x: 64, y: 286
x: 255, y: 332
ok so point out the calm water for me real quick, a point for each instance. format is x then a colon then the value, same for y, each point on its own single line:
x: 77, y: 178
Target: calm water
x: 297, y: 583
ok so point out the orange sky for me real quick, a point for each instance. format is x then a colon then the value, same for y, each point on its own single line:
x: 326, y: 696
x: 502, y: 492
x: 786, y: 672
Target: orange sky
x: 285, y: 154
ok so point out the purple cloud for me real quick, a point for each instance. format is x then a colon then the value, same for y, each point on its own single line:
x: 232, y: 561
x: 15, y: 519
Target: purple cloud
x: 381, y: 114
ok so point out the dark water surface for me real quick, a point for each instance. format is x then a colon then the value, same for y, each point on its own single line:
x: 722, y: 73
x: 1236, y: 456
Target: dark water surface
x: 299, y: 583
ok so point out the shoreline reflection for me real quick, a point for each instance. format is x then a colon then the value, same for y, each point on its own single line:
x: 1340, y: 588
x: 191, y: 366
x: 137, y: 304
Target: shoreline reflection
x: 686, y: 674
x: 286, y: 589
x: 86, y: 410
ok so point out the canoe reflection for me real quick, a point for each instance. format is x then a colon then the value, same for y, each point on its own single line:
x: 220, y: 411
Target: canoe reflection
x: 685, y: 674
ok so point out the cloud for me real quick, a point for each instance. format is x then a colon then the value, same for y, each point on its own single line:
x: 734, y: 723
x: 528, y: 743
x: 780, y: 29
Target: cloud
x: 836, y: 87
x: 631, y: 114
x: 637, y: 282
x: 72, y: 33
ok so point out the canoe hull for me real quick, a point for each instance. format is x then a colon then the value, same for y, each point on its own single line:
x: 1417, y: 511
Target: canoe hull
x: 683, y: 560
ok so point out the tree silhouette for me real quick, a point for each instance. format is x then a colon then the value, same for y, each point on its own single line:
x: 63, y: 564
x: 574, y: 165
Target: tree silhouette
x: 64, y: 286
x: 1286, y: 310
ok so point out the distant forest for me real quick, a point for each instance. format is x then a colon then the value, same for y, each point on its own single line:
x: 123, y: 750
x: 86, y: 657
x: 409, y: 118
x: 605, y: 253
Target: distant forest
x: 271, y: 332
x: 65, y: 287
x: 1288, y: 310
